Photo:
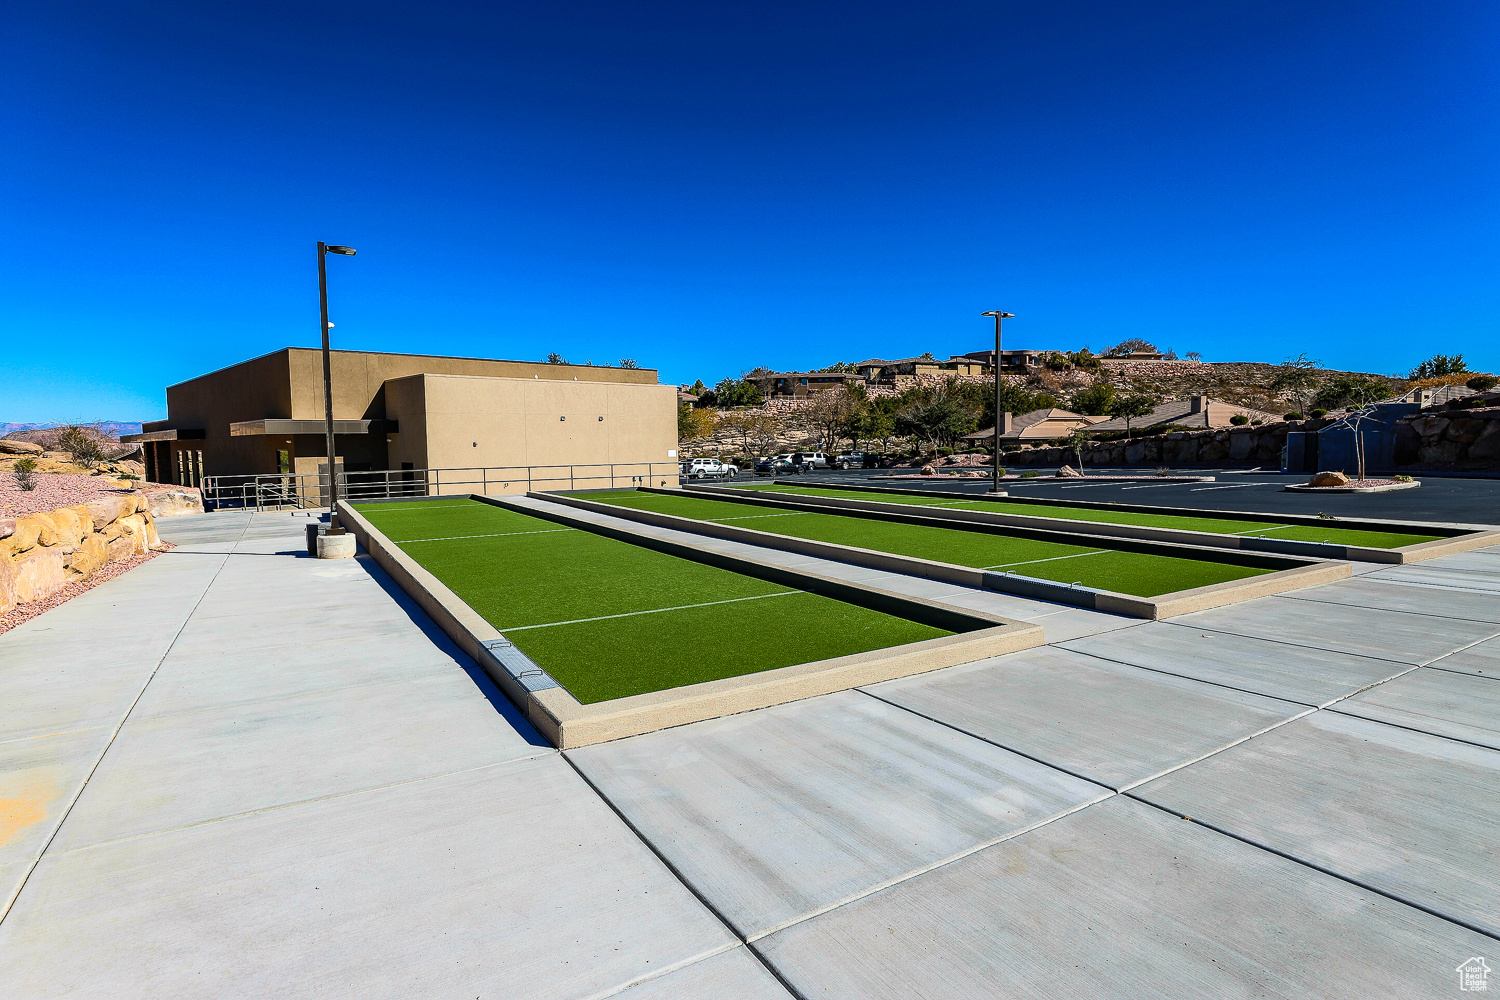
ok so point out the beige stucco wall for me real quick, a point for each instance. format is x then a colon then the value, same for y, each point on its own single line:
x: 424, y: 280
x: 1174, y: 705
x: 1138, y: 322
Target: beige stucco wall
x: 457, y: 421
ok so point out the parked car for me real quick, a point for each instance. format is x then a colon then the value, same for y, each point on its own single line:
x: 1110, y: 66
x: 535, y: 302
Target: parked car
x: 811, y: 459
x: 708, y: 468
x: 781, y: 465
x: 851, y: 460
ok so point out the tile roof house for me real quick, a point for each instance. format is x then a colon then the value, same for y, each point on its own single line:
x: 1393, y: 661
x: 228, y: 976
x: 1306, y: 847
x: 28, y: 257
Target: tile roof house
x: 1194, y: 411
x: 1038, y: 425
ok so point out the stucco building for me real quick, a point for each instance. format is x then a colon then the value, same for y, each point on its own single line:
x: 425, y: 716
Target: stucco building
x: 409, y: 412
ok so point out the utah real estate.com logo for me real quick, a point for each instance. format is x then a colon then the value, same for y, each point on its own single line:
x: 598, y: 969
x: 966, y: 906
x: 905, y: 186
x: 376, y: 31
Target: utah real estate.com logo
x: 1474, y: 975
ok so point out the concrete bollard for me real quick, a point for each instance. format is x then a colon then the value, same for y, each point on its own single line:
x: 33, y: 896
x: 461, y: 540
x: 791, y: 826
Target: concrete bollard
x: 336, y: 546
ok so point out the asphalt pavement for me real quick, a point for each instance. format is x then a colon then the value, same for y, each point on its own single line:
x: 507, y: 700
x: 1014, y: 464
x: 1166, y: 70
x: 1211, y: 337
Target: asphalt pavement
x: 1438, y: 499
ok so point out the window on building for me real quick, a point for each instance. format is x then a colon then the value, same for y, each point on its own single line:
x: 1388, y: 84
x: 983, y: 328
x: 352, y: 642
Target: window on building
x: 283, y: 461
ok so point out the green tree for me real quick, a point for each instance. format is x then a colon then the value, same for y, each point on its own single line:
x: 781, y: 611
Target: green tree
x: 1352, y: 391
x: 1131, y: 407
x: 1439, y: 365
x: 556, y: 359
x: 731, y: 392
x: 1078, y: 439
x: 1093, y: 400
x: 1130, y: 346
x: 1482, y: 383
x: 939, y: 420
x: 629, y: 363
x: 1297, y: 378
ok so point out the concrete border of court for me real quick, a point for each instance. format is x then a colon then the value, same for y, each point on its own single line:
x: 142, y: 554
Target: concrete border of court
x: 567, y: 723
x: 1302, y: 573
x: 1457, y: 540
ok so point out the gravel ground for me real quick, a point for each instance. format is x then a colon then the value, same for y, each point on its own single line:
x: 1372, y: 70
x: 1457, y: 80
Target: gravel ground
x: 24, y: 612
x: 54, y: 490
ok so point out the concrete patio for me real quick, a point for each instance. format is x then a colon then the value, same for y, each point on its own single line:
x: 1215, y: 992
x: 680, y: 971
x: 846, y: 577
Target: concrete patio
x: 239, y: 771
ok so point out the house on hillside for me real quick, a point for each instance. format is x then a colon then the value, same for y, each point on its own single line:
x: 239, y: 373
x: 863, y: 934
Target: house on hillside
x: 1038, y: 425
x: 1010, y: 361
x: 788, y: 385
x: 1194, y: 411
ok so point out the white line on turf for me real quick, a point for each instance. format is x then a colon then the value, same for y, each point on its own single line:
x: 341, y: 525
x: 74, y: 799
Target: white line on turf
x: 653, y: 611
x: 497, y: 534
x: 1251, y: 531
x: 1028, y: 562
x: 751, y: 517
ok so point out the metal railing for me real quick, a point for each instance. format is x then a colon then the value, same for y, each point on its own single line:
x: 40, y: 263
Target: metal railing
x: 279, y: 491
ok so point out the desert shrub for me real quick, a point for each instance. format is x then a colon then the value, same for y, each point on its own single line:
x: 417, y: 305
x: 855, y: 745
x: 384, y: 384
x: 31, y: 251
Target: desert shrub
x: 1319, y: 413
x: 1030, y: 475
x: 944, y: 452
x: 1482, y: 383
x: 25, y: 474
x: 1010, y: 446
x: 1239, y: 420
x: 1256, y: 423
x: 1162, y: 470
x: 1402, y: 479
x: 1292, y: 415
x: 83, y: 446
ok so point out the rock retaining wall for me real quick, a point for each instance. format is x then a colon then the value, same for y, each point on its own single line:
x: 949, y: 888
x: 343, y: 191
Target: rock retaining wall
x: 1257, y: 445
x: 41, y: 554
x: 1464, y: 438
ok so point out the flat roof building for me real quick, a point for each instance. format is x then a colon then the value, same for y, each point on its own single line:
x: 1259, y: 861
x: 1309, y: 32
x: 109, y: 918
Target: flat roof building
x: 265, y: 416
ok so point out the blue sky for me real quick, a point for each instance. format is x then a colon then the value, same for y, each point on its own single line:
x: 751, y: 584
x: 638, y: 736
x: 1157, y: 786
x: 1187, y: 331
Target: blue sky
x: 707, y: 187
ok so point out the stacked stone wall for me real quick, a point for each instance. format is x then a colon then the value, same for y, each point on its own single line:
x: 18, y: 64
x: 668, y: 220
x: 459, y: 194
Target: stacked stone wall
x: 1462, y: 438
x: 41, y: 554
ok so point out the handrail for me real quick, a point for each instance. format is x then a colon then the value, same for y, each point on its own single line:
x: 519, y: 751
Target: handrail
x: 279, y: 490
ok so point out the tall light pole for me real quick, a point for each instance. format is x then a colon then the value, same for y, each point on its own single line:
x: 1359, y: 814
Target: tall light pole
x: 995, y: 486
x: 333, y: 480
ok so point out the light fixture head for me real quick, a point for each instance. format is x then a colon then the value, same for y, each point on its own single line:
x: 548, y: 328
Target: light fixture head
x: 992, y: 312
x: 346, y: 251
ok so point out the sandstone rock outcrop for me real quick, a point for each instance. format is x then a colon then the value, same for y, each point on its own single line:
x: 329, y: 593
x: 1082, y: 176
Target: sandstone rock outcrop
x: 42, y: 553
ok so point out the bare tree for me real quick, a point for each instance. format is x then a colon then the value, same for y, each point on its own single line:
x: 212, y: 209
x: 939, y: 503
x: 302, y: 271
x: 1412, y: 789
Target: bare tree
x: 829, y: 413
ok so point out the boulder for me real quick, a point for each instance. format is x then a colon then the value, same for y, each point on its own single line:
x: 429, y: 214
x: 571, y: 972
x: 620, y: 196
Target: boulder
x: 173, y: 502
x: 88, y: 557
x: 7, y: 584
x: 27, y: 531
x: 40, y: 573
x: 106, y: 510
x: 1436, y: 451
x: 1068, y: 472
x: 1430, y: 425
x: 46, y: 529
x: 1487, y: 446
x: 120, y: 549
x: 1241, y: 446
x: 927, y: 470
x: 1329, y: 479
x: 70, y: 529
x: 19, y: 448
x: 1213, y: 451
x: 1135, y: 452
x: 1464, y: 430
x: 7, y: 527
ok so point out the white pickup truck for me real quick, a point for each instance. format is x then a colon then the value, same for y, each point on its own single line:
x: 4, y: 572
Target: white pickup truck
x: 708, y: 468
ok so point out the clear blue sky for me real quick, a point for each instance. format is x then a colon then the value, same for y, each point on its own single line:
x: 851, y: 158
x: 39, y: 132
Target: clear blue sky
x: 711, y: 186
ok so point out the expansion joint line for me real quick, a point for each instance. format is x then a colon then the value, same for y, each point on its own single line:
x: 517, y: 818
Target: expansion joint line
x: 21, y: 886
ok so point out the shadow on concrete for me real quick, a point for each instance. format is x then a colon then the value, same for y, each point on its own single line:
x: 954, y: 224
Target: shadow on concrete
x: 440, y: 639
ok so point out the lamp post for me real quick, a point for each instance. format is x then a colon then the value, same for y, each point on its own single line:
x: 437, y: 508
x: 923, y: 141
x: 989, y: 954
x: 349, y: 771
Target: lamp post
x: 333, y: 480
x: 995, y: 486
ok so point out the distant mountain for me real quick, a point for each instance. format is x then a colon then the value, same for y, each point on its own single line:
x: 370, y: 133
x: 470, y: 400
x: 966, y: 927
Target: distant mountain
x: 114, y: 428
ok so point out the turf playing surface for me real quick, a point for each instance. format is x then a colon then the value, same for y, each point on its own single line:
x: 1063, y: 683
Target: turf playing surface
x: 1213, y: 525
x: 608, y: 619
x: 1140, y: 574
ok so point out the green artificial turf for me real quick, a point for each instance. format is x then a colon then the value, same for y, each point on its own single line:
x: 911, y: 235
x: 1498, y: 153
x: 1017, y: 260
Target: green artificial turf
x: 554, y: 591
x: 1181, y: 522
x: 1137, y: 573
